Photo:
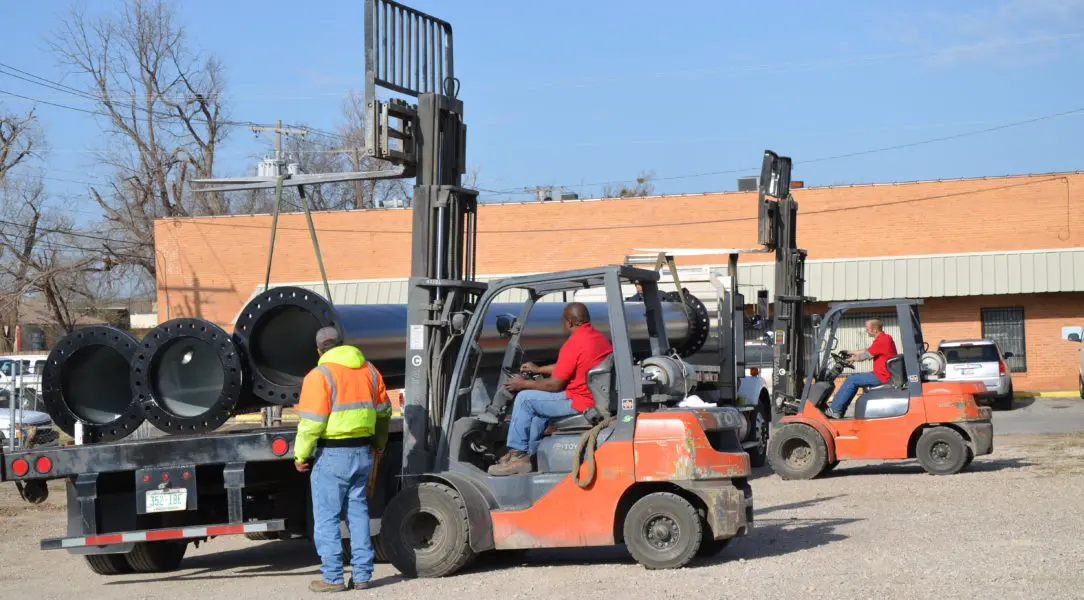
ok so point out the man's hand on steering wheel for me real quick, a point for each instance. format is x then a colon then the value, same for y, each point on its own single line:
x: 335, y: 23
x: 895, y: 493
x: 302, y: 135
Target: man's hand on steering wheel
x: 514, y: 383
x: 529, y: 366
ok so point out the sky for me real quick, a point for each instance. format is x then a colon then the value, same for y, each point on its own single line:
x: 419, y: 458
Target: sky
x: 578, y: 94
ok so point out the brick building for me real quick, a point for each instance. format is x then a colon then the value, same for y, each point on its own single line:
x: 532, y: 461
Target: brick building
x: 997, y: 256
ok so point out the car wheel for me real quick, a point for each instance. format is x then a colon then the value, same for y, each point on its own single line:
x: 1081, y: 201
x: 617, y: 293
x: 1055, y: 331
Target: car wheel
x: 1081, y: 384
x: 1004, y: 402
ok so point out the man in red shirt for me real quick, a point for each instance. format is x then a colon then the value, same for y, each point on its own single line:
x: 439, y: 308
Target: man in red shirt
x: 882, y: 349
x: 562, y: 394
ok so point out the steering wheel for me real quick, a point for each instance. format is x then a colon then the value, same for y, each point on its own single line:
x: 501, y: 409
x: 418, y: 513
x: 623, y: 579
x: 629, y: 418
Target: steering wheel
x: 841, y: 357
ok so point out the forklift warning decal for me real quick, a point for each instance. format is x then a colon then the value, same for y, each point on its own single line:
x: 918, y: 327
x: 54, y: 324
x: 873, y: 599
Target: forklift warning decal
x: 417, y: 337
x: 626, y: 404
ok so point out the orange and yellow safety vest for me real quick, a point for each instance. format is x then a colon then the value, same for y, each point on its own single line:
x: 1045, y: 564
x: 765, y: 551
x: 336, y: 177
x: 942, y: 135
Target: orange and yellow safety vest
x: 341, y: 399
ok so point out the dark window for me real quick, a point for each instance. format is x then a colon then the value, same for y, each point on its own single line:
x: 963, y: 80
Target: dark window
x: 967, y: 354
x: 1006, y: 327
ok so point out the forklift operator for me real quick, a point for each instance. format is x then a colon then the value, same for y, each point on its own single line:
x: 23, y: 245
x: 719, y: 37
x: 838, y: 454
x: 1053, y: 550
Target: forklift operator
x: 563, y: 393
x: 882, y: 349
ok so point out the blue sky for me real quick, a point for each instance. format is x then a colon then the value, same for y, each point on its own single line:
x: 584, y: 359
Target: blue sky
x: 577, y: 93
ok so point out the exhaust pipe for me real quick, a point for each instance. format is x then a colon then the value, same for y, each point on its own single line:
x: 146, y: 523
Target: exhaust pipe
x: 189, y: 377
x: 86, y: 379
x: 276, y: 335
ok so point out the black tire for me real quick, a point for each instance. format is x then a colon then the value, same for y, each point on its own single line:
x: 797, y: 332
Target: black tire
x: 262, y: 536
x: 942, y: 451
x: 1080, y: 383
x: 797, y: 451
x: 156, y: 557
x: 828, y: 467
x: 663, y: 531
x: 108, y: 564
x: 378, y: 551
x: 428, y: 531
x: 759, y: 430
x: 711, y: 547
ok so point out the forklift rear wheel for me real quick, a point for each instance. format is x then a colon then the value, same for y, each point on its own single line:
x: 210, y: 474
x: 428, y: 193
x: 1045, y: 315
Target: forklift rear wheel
x: 108, y: 564
x: 662, y: 531
x: 156, y: 557
x: 797, y: 451
x: 942, y: 451
x: 427, y: 531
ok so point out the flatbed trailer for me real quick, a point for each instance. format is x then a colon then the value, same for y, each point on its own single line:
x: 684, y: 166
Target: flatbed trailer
x: 134, y: 505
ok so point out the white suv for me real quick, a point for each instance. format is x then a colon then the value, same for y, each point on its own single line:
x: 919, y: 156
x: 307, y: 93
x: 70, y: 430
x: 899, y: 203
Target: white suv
x: 980, y: 360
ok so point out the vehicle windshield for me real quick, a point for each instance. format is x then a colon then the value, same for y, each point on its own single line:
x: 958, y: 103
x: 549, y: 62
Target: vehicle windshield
x: 976, y: 353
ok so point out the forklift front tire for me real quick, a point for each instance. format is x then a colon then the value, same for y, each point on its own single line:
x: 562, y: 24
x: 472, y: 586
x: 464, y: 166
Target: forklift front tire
x: 425, y: 531
x: 797, y: 451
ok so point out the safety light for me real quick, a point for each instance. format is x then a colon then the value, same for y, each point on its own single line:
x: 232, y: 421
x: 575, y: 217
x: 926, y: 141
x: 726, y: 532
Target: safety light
x: 754, y: 371
x: 20, y: 467
x: 279, y: 446
x: 44, y: 464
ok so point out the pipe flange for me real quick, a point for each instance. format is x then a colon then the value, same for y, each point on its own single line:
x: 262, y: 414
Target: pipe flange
x: 264, y: 388
x: 147, y: 359
x: 53, y: 381
x: 699, y: 322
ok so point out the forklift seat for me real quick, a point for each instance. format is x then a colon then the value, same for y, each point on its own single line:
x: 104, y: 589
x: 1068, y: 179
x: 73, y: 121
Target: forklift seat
x: 600, y: 380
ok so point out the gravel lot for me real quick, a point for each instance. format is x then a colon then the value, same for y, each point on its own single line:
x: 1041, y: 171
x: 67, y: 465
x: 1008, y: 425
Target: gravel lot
x: 1009, y: 527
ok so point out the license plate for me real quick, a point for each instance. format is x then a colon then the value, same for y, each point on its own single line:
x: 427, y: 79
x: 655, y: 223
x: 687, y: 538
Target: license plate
x: 166, y: 500
x: 966, y: 371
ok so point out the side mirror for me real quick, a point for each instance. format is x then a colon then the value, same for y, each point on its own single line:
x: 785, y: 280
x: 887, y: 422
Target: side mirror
x: 1008, y: 355
x: 1074, y: 337
x: 505, y: 323
x: 1072, y: 334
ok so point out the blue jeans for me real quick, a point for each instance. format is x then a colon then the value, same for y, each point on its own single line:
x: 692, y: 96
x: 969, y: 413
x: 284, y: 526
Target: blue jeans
x: 850, y: 388
x: 339, y: 481
x: 531, y: 412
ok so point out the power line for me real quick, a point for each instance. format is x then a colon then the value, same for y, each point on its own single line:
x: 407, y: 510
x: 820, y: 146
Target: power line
x: 71, y: 233
x: 828, y: 158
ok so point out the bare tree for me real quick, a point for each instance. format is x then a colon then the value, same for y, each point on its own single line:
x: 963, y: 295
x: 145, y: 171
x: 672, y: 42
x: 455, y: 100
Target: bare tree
x: 165, y: 119
x: 643, y: 187
x: 43, y: 260
x: 19, y: 135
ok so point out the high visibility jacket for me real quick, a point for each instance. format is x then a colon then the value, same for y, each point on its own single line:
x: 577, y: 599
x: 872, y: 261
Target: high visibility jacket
x: 342, y: 398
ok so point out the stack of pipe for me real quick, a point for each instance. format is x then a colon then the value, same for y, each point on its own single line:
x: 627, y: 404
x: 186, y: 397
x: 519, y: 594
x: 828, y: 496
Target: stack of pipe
x: 189, y: 376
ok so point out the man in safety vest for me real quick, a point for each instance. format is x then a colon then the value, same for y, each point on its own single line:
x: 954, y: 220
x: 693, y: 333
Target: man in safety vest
x: 343, y: 414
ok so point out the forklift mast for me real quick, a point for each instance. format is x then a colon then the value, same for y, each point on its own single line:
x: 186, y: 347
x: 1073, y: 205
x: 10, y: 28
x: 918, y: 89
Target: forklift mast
x: 777, y: 231
x: 410, y: 53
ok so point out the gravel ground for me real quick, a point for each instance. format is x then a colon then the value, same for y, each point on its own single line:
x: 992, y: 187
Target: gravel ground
x: 1008, y: 528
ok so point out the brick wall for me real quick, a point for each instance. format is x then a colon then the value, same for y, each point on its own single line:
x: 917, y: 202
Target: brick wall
x: 1051, y: 363
x: 209, y: 266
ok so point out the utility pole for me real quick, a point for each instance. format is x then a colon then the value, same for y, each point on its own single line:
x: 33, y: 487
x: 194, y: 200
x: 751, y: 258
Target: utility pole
x: 278, y: 129
x: 354, y: 155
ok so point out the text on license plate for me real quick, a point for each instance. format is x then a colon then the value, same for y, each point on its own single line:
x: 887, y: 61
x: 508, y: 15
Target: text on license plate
x: 166, y: 500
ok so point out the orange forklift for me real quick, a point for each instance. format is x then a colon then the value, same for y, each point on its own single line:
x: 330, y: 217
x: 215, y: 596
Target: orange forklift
x: 669, y: 482
x: 914, y: 415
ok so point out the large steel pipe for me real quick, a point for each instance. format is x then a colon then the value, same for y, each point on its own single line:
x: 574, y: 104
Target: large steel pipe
x: 86, y: 380
x: 275, y: 332
x: 189, y: 377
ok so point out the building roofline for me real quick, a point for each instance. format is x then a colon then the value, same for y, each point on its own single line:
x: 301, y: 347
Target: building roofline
x: 657, y: 196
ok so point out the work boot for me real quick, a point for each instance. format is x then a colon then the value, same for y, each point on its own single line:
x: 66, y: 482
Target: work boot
x: 516, y: 462
x: 361, y: 585
x: 322, y: 586
x: 831, y: 414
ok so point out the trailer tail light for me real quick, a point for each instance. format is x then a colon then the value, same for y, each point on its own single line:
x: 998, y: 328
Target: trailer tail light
x: 20, y: 467
x: 279, y: 446
x: 44, y: 464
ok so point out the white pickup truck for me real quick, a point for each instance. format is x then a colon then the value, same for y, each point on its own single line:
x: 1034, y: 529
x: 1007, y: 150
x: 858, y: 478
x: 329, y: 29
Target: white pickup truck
x: 1075, y: 334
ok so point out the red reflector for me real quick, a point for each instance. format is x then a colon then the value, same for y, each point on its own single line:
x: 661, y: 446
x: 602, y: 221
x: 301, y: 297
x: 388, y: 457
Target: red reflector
x: 165, y: 476
x: 279, y: 446
x: 43, y: 464
x: 185, y: 476
x: 20, y: 467
x: 754, y: 371
x: 146, y: 478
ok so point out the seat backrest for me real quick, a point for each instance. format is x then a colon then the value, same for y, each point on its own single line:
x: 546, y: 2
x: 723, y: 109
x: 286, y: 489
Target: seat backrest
x: 600, y: 380
x: 895, y: 369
